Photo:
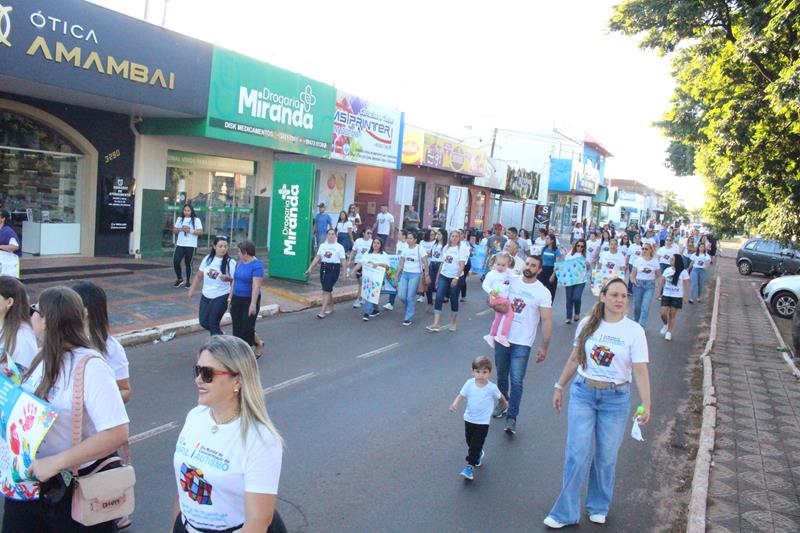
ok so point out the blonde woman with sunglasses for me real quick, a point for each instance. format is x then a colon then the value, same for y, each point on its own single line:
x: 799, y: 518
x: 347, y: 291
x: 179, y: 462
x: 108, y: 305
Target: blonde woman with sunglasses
x: 646, y: 270
x: 227, y: 444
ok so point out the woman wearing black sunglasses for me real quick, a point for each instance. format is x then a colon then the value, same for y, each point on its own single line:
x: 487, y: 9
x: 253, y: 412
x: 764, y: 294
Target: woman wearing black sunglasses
x: 58, y: 324
x: 245, y: 465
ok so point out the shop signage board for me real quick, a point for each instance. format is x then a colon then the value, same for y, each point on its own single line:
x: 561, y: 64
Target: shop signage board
x: 116, y: 211
x: 496, y: 175
x: 448, y: 154
x: 290, y: 223
x: 366, y: 133
x: 190, y: 160
x: 256, y: 103
x: 413, y: 146
x: 76, y: 45
x: 521, y: 183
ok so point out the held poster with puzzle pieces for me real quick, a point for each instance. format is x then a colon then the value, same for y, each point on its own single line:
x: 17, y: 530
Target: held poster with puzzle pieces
x: 24, y: 421
x: 571, y: 272
x: 601, y: 275
x: 371, y: 282
x: 390, y: 282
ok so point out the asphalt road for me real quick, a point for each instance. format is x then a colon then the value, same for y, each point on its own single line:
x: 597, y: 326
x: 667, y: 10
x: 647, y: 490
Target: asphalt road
x: 371, y: 445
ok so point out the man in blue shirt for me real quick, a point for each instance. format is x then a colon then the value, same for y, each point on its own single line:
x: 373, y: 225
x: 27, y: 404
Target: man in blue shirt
x: 322, y: 221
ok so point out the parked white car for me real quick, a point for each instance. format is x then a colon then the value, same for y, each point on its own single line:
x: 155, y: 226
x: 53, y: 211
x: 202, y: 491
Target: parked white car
x: 781, y: 295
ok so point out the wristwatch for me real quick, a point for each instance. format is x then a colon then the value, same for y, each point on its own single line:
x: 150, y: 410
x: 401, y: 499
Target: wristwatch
x: 557, y: 386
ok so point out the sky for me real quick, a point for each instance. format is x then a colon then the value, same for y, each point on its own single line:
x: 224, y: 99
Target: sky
x: 463, y: 68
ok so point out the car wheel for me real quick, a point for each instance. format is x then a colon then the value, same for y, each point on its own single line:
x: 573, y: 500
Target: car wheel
x: 745, y: 268
x: 784, y: 304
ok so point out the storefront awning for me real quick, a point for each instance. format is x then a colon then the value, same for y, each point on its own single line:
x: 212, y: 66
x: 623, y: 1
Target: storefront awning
x: 602, y: 195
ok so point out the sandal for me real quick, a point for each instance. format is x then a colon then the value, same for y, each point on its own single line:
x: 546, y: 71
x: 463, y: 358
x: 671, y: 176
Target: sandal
x: 259, y: 351
x: 320, y: 316
x: 432, y: 329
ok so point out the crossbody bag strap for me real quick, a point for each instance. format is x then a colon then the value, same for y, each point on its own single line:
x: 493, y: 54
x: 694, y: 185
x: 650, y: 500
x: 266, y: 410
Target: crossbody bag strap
x: 77, y: 402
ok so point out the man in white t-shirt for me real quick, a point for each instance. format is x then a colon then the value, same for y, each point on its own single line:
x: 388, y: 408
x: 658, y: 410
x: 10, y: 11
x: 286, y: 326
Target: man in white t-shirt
x: 530, y: 301
x: 384, y: 224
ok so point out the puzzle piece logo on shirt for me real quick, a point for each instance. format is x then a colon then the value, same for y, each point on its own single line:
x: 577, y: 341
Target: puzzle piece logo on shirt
x: 448, y: 259
x: 602, y: 355
x: 518, y: 305
x: 610, y: 265
x: 647, y: 270
x: 327, y: 255
x: 193, y: 483
x: 212, y: 273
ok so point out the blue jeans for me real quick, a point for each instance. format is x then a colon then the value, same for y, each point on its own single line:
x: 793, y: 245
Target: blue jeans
x: 444, y: 288
x: 407, y: 292
x: 574, y: 293
x: 642, y: 298
x: 211, y: 313
x: 593, y: 414
x: 513, y: 362
x: 698, y: 277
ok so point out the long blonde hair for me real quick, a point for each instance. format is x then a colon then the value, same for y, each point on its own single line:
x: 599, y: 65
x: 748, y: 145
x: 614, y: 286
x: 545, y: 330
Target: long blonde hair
x: 593, y: 322
x: 238, y: 358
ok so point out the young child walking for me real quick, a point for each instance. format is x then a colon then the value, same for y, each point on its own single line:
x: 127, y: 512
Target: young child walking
x: 481, y: 395
x: 496, y: 285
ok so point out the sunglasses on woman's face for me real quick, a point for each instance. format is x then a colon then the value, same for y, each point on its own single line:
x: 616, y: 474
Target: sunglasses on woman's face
x: 207, y: 373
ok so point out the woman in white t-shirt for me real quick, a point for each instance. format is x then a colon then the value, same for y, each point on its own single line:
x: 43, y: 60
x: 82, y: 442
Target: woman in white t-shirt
x: 216, y: 276
x: 540, y: 242
x: 95, y: 304
x: 666, y: 252
x: 646, y: 270
x: 633, y: 253
x: 375, y: 257
x: 344, y: 232
x: 16, y: 334
x: 59, y: 326
x: 577, y: 232
x: 360, y: 247
x: 699, y: 260
x: 674, y: 292
x: 593, y: 249
x: 613, y: 259
x: 448, y: 280
x: 187, y: 228
x: 434, y: 262
x: 609, y: 350
x: 332, y: 259
x: 413, y: 265
x: 228, y: 457
x: 354, y: 217
x: 9, y: 246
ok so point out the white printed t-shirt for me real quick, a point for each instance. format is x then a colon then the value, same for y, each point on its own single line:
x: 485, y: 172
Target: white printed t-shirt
x: 612, y: 349
x: 700, y: 261
x: 612, y: 261
x: 665, y: 253
x: 117, y: 359
x: 497, y: 282
x: 480, y: 401
x: 344, y: 227
x: 526, y: 300
x: 26, y: 347
x: 592, y: 250
x: 189, y: 240
x: 577, y: 233
x: 102, y: 402
x: 385, y: 221
x: 646, y: 268
x: 331, y: 252
x: 213, y: 286
x: 674, y: 291
x: 214, y: 470
x: 634, y: 250
x: 375, y: 258
x: 413, y: 259
x: 436, y: 253
x: 361, y: 247
x: 451, y: 256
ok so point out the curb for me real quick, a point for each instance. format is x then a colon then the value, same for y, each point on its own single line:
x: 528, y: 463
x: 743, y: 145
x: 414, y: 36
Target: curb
x: 787, y: 352
x: 696, y: 520
x: 315, y: 301
x: 184, y: 327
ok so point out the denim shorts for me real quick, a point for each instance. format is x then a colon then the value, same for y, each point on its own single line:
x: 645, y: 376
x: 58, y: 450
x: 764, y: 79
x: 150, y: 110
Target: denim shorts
x: 670, y: 301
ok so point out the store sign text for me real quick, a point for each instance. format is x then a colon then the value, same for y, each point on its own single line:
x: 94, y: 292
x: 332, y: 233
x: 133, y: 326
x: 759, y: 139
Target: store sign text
x: 279, y: 108
x: 126, y: 69
x: 290, y: 197
x: 56, y: 24
x: 376, y: 127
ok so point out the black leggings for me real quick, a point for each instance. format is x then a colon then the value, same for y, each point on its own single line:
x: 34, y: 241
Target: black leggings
x: 185, y: 254
x: 476, y: 436
x: 37, y: 516
x: 467, y: 268
x: 544, y: 277
x: 276, y: 526
x: 433, y: 269
x: 244, y: 325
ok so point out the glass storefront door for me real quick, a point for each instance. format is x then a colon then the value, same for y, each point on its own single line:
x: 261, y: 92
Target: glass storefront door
x: 221, y: 190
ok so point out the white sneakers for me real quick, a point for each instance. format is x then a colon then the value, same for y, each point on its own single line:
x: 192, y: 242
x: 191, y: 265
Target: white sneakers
x: 388, y: 306
x: 357, y: 304
x: 664, y: 329
x: 552, y: 523
x: 668, y: 336
x: 598, y: 518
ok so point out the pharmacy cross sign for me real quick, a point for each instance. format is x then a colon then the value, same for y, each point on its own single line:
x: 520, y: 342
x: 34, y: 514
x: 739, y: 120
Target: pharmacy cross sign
x: 5, y: 24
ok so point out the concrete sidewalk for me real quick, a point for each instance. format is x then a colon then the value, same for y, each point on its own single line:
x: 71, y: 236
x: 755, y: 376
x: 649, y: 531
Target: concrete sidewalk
x: 755, y: 477
x: 143, y: 305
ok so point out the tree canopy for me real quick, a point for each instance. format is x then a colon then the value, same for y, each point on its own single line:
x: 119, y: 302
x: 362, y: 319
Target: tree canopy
x: 735, y: 113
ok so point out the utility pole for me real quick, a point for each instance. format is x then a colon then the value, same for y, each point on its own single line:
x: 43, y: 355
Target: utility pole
x: 494, y: 140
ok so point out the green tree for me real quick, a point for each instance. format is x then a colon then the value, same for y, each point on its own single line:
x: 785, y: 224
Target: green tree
x: 735, y: 113
x: 675, y: 209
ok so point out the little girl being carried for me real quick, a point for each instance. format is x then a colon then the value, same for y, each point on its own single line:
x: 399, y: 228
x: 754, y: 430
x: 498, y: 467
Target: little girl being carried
x: 496, y: 285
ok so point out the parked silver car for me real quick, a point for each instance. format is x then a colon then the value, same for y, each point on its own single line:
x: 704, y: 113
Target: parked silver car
x: 781, y: 295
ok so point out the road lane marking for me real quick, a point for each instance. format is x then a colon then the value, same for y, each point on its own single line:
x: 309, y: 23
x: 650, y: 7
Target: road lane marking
x: 379, y: 351
x: 288, y: 383
x: 152, y: 432
x: 485, y: 312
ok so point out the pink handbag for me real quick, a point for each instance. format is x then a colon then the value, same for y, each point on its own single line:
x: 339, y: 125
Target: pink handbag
x: 99, y: 496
